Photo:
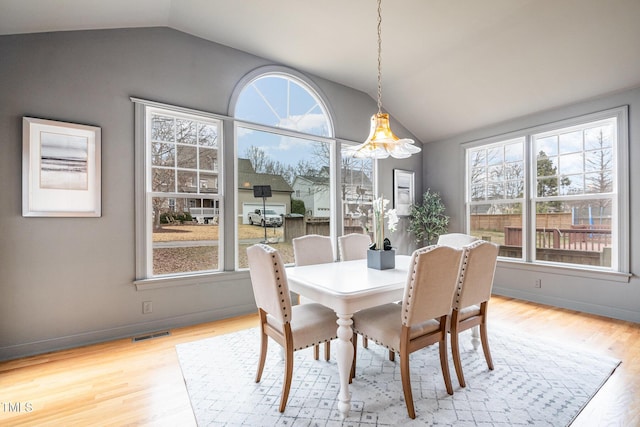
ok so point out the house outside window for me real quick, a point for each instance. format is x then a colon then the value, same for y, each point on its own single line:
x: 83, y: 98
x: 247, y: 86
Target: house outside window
x: 554, y: 194
x: 177, y: 229
x: 357, y: 194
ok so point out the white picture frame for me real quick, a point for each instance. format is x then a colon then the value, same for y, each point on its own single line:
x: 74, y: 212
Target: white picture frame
x: 60, y: 169
x: 403, y: 191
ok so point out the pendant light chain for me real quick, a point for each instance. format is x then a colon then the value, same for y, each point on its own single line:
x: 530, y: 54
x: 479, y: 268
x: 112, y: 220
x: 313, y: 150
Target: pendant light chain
x: 379, y: 56
x: 382, y: 142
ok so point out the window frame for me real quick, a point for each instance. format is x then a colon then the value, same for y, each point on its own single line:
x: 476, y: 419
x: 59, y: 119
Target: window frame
x: 143, y: 232
x: 619, y: 270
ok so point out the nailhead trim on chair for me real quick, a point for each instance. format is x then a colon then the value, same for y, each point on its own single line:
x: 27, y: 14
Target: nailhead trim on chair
x: 272, y: 251
x: 380, y: 344
x: 413, y: 276
x: 311, y: 345
x: 275, y: 264
x: 463, y: 270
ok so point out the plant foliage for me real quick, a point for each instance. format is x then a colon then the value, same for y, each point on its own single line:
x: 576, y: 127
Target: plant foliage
x: 427, y: 221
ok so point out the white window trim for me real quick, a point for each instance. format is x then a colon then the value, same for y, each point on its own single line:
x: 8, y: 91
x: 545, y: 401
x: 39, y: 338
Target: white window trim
x: 143, y: 254
x: 621, y: 271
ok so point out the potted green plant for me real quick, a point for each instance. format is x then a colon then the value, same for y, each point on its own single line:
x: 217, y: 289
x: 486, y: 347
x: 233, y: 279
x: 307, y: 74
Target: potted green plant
x: 427, y: 221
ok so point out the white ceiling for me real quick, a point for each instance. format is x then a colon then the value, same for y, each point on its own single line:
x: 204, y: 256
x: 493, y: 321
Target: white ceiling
x: 449, y: 66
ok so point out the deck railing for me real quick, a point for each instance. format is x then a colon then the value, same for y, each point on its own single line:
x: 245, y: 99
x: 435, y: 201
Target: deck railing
x: 580, y: 238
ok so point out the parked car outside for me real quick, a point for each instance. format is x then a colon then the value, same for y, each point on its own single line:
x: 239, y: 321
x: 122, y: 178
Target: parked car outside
x: 270, y: 218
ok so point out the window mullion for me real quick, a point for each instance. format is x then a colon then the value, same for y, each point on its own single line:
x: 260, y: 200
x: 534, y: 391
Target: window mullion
x: 529, y: 214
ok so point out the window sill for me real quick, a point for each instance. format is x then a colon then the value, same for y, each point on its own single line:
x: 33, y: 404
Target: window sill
x: 189, y: 280
x: 590, y: 273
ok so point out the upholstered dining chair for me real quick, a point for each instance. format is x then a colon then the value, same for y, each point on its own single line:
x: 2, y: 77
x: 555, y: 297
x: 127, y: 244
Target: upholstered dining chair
x: 293, y: 327
x: 308, y: 250
x: 353, y: 246
x: 472, y: 299
x: 421, y: 320
x: 312, y: 249
x: 456, y: 240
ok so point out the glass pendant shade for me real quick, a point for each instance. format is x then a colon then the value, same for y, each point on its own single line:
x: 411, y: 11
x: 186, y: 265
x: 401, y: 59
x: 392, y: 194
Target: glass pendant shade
x: 382, y: 142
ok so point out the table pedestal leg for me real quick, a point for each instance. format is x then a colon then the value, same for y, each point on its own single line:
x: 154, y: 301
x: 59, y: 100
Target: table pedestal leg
x: 475, y: 337
x: 345, y: 360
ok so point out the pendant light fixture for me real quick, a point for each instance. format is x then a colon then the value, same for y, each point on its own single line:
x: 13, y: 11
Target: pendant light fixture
x: 382, y: 142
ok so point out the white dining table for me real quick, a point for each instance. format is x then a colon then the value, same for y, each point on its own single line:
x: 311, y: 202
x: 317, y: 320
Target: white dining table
x: 347, y: 287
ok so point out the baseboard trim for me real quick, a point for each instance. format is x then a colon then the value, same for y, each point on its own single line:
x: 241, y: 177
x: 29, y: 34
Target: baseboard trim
x: 128, y: 331
x: 600, y: 310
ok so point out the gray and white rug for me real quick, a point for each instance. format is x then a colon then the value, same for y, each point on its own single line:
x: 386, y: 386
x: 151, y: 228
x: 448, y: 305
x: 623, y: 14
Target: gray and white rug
x: 534, y: 383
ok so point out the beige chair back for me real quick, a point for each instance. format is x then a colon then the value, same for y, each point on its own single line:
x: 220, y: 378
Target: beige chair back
x: 353, y: 246
x: 269, y: 281
x: 476, y: 275
x: 312, y: 249
x: 431, y: 284
x: 456, y: 240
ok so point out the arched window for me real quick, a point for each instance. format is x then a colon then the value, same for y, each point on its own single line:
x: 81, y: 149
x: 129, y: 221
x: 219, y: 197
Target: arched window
x: 284, y: 139
x: 281, y: 100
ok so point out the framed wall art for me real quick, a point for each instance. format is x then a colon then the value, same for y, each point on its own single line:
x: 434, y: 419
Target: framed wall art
x: 403, y: 191
x: 60, y: 169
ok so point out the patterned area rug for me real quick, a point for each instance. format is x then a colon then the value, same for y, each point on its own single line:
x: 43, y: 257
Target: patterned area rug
x: 534, y: 383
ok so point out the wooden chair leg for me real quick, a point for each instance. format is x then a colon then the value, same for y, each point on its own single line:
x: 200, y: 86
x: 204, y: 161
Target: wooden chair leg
x: 485, y: 344
x: 484, y: 336
x: 288, y: 367
x: 455, y: 349
x: 354, y: 341
x: 365, y: 342
x: 264, y: 340
x: 316, y: 352
x: 444, y: 361
x: 405, y: 373
x: 327, y: 351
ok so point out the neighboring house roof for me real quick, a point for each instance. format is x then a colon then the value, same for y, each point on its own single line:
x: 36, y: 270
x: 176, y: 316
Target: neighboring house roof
x: 248, y: 177
x: 316, y: 180
x: 349, y: 176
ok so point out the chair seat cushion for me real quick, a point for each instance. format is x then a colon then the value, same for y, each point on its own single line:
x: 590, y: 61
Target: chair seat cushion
x: 311, y: 324
x: 467, y: 312
x: 383, y: 325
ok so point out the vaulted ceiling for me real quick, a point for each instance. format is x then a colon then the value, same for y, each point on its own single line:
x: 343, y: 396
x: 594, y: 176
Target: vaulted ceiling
x: 448, y: 66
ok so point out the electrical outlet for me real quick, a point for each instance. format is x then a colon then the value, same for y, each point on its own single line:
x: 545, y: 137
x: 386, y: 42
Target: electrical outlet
x: 147, y: 307
x: 538, y: 283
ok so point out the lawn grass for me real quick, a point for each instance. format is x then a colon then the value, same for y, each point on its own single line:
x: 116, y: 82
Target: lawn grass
x: 173, y: 260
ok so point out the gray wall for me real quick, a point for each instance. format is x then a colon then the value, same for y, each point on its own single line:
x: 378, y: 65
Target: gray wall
x: 68, y: 281
x: 593, y: 295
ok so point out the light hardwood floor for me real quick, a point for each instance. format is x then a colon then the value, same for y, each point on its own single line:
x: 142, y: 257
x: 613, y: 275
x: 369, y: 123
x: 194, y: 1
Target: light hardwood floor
x: 125, y: 383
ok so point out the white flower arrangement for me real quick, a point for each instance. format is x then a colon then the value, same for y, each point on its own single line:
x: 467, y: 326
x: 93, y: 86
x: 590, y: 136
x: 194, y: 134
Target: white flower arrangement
x: 379, y: 214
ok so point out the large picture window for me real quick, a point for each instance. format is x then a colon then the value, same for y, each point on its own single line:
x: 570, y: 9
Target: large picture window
x: 555, y: 194
x: 283, y: 140
x: 179, y: 229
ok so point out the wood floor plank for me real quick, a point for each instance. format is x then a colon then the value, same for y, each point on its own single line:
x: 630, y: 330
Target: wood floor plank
x: 140, y: 383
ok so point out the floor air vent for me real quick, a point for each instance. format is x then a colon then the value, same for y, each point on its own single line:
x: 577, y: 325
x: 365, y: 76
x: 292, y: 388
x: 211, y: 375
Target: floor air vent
x: 151, y: 336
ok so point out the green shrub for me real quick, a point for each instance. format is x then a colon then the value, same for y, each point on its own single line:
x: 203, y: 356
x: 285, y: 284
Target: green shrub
x: 297, y: 206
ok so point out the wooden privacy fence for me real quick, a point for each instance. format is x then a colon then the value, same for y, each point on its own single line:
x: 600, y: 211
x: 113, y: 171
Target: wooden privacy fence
x: 299, y: 226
